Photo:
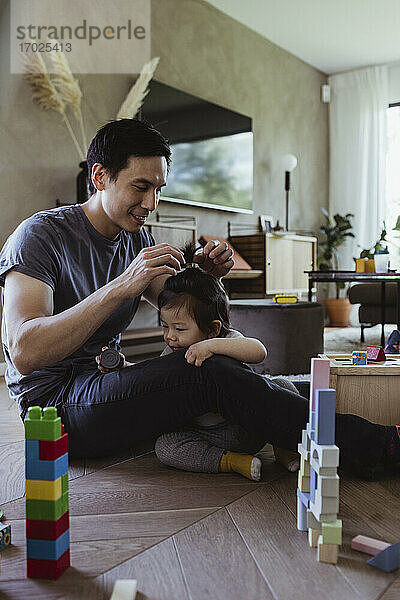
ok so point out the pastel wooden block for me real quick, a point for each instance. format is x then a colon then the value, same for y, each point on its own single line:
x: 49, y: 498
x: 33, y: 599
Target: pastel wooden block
x: 301, y: 515
x: 327, y: 553
x: 303, y: 452
x: 124, y: 589
x: 324, y: 504
x: 332, y: 532
x: 48, y: 549
x: 323, y: 471
x: 320, y: 369
x: 312, y: 522
x: 37, y: 489
x: 304, y: 467
x: 54, y: 449
x: 42, y: 425
x: 329, y: 486
x: 47, y: 569
x: 47, y: 530
x: 47, y: 510
x: 304, y: 497
x: 303, y: 483
x: 387, y: 560
x: 325, y: 455
x: 313, y: 535
x: 48, y: 470
x: 313, y: 484
x: 325, y: 402
x: 369, y: 545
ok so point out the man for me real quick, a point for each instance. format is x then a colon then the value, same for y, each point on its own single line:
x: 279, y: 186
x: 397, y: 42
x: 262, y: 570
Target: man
x: 73, y: 278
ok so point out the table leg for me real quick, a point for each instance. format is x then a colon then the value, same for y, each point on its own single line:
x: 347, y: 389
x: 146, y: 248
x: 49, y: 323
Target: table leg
x: 310, y: 286
x: 383, y: 312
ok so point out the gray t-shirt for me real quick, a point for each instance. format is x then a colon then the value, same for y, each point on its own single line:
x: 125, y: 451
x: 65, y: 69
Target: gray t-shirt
x: 62, y: 248
x: 208, y: 419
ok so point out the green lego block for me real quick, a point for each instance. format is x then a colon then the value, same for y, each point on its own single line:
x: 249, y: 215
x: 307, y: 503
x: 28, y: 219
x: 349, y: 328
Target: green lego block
x: 64, y: 484
x: 332, y: 532
x: 42, y: 425
x: 47, y: 510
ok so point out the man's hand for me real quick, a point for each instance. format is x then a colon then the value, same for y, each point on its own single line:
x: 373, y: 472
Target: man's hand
x: 161, y: 259
x: 197, y: 353
x: 215, y: 258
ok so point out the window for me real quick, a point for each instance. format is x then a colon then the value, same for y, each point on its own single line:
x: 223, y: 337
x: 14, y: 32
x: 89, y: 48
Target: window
x: 393, y: 183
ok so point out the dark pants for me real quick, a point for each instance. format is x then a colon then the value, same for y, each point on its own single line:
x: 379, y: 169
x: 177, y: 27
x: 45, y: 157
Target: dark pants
x: 104, y: 414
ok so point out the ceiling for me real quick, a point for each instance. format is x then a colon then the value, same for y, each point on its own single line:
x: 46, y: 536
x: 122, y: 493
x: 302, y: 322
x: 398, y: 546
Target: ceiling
x: 331, y: 35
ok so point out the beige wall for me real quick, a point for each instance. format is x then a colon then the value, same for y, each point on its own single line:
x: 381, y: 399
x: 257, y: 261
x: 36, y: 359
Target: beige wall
x: 202, y: 52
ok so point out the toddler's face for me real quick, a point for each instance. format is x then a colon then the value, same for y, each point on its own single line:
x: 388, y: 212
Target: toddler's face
x: 179, y: 328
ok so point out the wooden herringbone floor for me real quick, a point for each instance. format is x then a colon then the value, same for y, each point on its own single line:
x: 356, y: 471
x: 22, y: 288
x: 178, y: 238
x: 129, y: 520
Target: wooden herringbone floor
x: 192, y: 536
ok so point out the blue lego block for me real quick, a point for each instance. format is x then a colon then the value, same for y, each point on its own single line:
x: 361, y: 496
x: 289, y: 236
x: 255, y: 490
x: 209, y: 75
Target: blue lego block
x: 313, y: 484
x: 301, y: 515
x: 304, y: 497
x: 48, y: 470
x: 325, y: 403
x: 388, y: 560
x: 48, y: 549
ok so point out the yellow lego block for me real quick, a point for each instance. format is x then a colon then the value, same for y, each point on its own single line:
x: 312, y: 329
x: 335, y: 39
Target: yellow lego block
x: 37, y: 489
x: 303, y: 483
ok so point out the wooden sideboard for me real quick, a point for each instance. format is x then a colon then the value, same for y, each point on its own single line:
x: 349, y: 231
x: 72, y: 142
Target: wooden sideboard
x: 282, y: 260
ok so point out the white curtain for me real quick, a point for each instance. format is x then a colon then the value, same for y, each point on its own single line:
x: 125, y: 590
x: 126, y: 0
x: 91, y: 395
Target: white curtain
x: 357, y: 126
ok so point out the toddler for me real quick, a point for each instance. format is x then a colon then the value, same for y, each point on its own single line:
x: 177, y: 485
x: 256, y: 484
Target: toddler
x: 194, y: 315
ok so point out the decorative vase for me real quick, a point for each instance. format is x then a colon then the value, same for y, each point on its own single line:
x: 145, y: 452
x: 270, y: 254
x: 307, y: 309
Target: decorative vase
x: 338, y: 311
x: 82, y: 183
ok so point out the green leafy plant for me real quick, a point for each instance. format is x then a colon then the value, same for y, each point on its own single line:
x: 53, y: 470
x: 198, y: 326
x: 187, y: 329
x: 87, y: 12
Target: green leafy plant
x: 334, y: 231
x: 381, y: 244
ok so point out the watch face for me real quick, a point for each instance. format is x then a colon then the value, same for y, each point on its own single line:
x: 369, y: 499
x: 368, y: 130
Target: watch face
x: 110, y: 358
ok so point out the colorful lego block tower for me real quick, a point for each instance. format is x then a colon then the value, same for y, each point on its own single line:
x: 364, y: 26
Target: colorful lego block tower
x: 318, y: 481
x: 46, y: 490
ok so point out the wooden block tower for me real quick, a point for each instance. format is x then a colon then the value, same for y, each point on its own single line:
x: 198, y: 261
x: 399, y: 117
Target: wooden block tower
x: 46, y: 490
x: 318, y: 481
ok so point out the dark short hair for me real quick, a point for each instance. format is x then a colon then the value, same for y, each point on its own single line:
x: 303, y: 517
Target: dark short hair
x: 117, y: 141
x: 202, y: 294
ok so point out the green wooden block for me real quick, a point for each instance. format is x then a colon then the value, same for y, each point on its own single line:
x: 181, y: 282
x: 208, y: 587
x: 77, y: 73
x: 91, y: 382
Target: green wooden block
x: 64, y: 484
x: 47, y: 510
x: 44, y: 425
x: 304, y: 467
x: 332, y: 532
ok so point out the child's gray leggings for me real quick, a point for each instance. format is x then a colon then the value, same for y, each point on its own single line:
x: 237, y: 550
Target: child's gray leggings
x: 200, y: 449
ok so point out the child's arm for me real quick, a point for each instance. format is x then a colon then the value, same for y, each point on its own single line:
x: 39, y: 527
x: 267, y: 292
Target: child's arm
x: 247, y: 350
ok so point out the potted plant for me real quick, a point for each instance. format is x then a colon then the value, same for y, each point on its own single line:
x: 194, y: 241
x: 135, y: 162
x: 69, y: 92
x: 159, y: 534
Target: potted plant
x: 334, y: 232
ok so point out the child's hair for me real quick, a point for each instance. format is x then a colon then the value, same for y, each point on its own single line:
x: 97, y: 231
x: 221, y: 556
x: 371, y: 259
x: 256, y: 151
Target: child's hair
x: 201, y: 293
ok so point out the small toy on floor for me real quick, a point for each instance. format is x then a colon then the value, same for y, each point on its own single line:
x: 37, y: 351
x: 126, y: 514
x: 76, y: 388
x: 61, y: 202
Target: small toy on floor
x: 5, y: 535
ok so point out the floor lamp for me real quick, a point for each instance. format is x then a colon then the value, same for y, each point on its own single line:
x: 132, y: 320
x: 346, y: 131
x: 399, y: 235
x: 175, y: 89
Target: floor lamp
x: 289, y: 163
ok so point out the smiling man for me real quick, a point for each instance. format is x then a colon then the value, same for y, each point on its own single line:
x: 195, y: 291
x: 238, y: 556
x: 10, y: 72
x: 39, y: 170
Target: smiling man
x: 73, y: 277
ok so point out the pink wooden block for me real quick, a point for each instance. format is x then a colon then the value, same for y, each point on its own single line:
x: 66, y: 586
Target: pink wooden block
x: 362, y: 543
x: 320, y: 368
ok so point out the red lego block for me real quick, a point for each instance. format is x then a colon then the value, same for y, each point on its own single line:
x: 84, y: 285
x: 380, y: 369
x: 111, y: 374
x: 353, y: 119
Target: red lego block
x: 53, y: 450
x: 376, y: 354
x: 47, y: 569
x: 47, y: 530
x: 62, y: 429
